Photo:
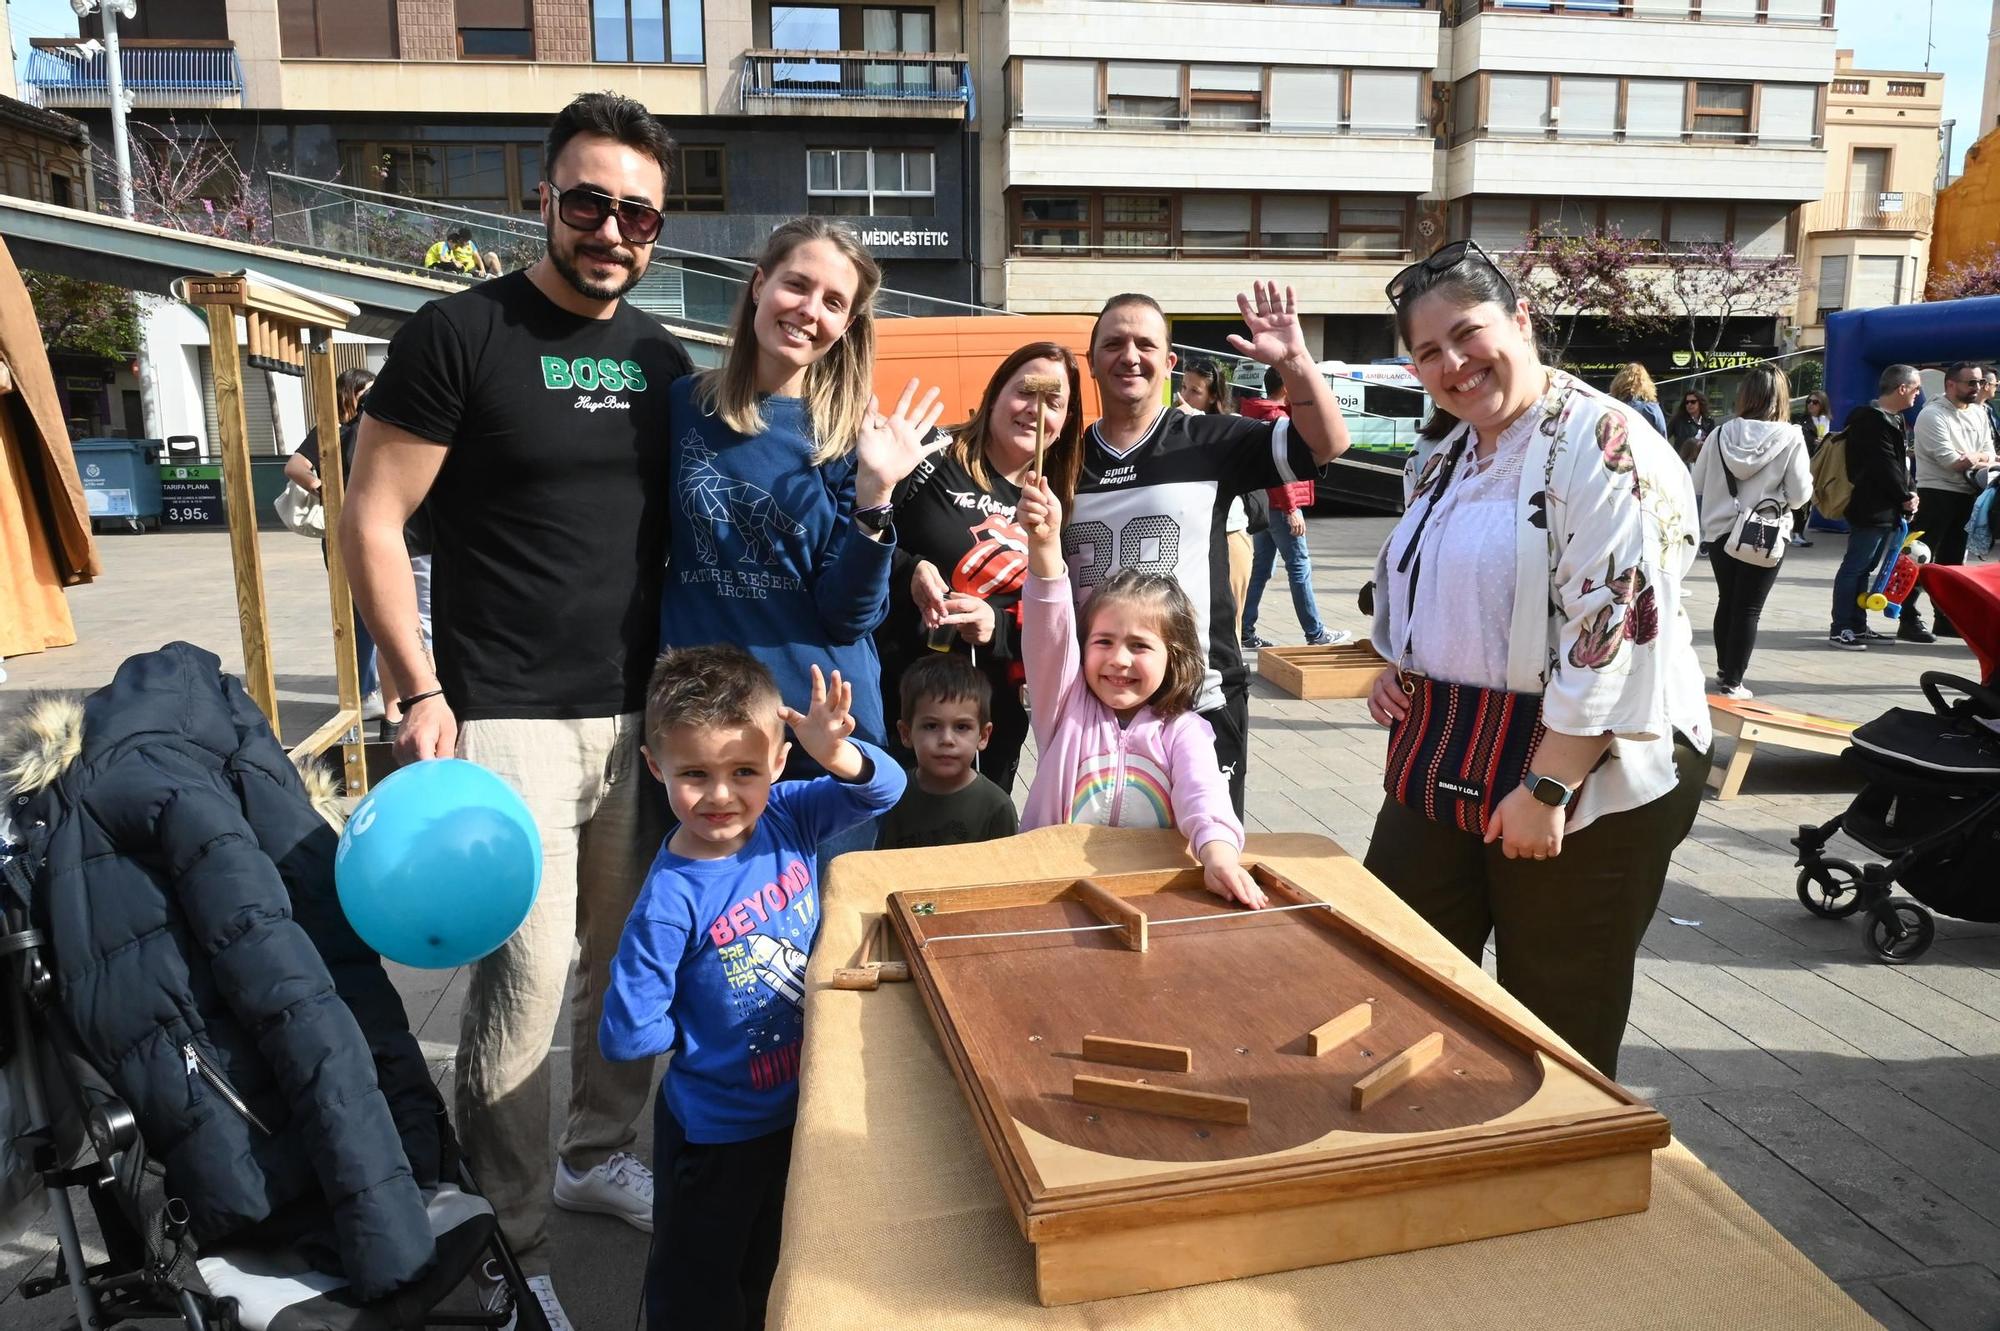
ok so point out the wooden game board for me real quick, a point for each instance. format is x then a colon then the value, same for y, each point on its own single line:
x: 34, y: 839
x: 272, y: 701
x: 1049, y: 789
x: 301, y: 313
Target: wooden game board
x: 1754, y: 723
x: 1340, y: 1098
x: 1346, y: 671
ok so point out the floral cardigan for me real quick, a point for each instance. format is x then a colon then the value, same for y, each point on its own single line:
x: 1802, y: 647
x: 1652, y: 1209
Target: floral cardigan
x: 1606, y: 533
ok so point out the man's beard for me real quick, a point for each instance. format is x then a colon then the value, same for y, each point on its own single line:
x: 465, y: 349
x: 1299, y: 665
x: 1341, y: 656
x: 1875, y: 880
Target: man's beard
x: 567, y: 266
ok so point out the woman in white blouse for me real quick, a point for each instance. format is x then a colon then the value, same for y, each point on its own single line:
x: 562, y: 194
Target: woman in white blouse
x: 1550, y: 565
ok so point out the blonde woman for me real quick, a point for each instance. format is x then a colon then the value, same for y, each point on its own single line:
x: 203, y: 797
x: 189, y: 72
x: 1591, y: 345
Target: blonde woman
x: 1634, y: 387
x: 783, y: 464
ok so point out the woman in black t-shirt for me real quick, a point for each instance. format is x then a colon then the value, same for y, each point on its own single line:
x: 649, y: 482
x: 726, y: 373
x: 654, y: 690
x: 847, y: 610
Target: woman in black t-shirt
x: 956, y: 581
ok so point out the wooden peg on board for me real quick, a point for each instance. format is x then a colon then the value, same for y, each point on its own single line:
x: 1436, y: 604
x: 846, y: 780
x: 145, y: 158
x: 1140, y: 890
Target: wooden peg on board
x: 1323, y: 1040
x: 1108, y: 906
x: 1172, y: 1101
x: 1398, y: 1070
x: 1138, y: 1054
x: 866, y: 972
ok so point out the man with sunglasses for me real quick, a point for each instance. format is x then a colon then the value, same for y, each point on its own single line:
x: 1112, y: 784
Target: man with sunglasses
x: 529, y: 416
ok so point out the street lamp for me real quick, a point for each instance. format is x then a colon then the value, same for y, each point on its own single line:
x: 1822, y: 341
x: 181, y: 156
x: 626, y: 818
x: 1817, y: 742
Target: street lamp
x: 121, y: 148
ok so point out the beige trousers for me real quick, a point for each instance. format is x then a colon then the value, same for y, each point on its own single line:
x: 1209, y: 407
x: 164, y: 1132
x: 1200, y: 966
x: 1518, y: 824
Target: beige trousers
x: 584, y: 783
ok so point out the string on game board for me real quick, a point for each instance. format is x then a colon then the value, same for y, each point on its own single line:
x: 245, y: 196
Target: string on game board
x: 1150, y: 924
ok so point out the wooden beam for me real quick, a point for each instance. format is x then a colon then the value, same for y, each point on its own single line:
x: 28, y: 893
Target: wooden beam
x: 1169, y: 1100
x: 1398, y: 1070
x: 342, y: 722
x: 1138, y: 1053
x: 1108, y: 906
x: 240, y: 503
x: 333, y: 494
x: 1323, y: 1040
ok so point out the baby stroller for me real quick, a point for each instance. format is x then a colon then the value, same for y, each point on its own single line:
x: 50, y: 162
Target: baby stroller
x: 1930, y: 806
x: 65, y: 1129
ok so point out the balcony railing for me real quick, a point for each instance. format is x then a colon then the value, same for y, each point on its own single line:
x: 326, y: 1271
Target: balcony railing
x: 71, y: 73
x: 1879, y: 211
x: 921, y: 84
x: 1384, y: 127
x: 1792, y: 13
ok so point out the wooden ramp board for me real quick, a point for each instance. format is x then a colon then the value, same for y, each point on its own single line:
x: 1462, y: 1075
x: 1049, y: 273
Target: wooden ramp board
x: 1346, y: 671
x: 1754, y: 723
x: 1104, y: 1180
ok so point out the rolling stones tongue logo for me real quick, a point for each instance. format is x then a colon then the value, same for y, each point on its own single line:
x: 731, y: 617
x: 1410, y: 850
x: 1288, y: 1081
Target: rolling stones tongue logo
x: 997, y: 563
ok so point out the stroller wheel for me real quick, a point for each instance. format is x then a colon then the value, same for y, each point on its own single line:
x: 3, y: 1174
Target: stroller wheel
x: 1900, y: 931
x: 1829, y: 889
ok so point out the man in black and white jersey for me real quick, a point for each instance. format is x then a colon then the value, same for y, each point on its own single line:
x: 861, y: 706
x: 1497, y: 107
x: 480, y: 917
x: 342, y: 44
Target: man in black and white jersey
x: 1156, y: 482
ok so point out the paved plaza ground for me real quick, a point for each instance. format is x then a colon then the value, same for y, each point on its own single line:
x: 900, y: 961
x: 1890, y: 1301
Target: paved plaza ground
x: 1855, y: 1105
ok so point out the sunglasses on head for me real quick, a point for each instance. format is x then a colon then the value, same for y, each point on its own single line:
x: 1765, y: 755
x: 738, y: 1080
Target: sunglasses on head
x: 1417, y: 277
x: 585, y: 209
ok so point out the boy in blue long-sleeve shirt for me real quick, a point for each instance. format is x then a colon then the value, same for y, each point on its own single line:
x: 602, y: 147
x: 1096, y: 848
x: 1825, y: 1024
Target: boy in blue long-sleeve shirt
x: 712, y: 963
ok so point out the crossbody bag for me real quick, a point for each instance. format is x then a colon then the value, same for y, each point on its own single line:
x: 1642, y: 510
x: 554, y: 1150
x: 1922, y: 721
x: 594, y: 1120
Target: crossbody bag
x: 1460, y: 748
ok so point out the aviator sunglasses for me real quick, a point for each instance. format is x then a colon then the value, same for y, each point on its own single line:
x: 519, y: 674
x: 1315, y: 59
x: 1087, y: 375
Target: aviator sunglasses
x: 585, y: 209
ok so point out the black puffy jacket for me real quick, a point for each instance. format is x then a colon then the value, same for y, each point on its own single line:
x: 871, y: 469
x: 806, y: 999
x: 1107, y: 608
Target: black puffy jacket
x: 206, y: 969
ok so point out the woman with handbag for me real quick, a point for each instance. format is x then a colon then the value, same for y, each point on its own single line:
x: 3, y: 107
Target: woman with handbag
x: 1754, y: 472
x: 1549, y: 737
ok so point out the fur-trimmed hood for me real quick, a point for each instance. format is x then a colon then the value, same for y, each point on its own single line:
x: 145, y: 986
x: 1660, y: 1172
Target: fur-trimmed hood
x: 45, y: 739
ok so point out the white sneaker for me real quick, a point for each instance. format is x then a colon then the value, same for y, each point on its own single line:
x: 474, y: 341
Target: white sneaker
x: 371, y: 706
x: 497, y: 1297
x: 620, y: 1187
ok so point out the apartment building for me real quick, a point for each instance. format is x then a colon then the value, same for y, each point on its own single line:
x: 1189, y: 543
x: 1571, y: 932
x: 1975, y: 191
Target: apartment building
x: 1183, y: 147
x: 1867, y: 241
x: 847, y: 109
x: 1989, y: 100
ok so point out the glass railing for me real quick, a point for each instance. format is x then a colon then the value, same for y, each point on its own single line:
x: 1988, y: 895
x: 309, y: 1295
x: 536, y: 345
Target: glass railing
x: 392, y: 230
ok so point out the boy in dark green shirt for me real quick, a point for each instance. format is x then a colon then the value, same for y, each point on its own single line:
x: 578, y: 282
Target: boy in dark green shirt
x: 947, y: 721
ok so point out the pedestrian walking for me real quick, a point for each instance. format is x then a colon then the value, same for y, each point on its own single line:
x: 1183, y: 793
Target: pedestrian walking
x: 1748, y: 480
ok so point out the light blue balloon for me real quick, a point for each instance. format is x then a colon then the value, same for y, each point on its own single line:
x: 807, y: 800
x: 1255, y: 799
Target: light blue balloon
x: 439, y: 864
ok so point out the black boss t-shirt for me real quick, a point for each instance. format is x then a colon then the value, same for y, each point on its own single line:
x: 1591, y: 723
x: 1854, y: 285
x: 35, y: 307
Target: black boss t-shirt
x: 1162, y: 505
x: 550, y: 512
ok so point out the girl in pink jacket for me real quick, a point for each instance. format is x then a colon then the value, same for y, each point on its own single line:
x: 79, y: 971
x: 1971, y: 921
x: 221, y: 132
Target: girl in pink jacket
x: 1119, y: 742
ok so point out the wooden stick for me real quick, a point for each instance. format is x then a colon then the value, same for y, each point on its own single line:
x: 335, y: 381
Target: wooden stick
x: 1138, y: 1053
x: 1039, y: 387
x: 866, y: 972
x: 1323, y: 1040
x: 1398, y: 1070
x: 1168, y: 1100
x: 1113, y: 909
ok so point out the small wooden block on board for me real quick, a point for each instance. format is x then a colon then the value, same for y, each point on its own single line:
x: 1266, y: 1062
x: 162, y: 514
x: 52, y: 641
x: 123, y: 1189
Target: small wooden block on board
x: 1113, y: 909
x: 1169, y: 1100
x: 1398, y: 1070
x: 1138, y: 1054
x: 1323, y: 1040
x: 1346, y: 671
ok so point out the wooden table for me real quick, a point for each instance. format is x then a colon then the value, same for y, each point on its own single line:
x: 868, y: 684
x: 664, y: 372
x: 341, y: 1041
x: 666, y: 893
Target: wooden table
x: 1754, y: 723
x: 895, y: 1215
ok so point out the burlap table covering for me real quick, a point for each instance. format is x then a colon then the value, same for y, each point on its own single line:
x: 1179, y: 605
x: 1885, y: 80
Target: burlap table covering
x: 896, y: 1221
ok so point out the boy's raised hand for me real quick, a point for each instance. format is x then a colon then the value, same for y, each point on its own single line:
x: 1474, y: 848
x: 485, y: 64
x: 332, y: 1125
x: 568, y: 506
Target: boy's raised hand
x: 823, y: 731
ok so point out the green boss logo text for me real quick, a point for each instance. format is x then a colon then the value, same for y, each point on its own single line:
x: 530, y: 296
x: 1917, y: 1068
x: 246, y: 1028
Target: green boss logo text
x: 613, y: 376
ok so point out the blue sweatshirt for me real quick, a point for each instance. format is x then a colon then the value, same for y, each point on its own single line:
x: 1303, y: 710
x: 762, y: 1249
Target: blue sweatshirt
x: 712, y: 964
x: 765, y: 555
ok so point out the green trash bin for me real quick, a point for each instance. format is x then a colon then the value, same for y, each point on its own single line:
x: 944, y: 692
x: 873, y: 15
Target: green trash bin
x: 121, y: 482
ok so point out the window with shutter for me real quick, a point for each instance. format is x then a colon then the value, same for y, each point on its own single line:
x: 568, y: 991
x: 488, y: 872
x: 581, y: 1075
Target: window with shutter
x: 1305, y: 101
x: 1142, y: 95
x: 1517, y: 104
x: 1385, y: 102
x: 1832, y: 295
x: 1655, y: 109
x: 1589, y: 108
x: 1058, y: 92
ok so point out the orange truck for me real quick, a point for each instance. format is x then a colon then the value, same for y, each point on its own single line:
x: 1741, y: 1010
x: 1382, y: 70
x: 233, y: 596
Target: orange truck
x: 958, y: 355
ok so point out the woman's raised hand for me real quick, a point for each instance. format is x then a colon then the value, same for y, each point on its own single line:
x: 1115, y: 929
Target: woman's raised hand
x: 1040, y: 515
x: 889, y: 447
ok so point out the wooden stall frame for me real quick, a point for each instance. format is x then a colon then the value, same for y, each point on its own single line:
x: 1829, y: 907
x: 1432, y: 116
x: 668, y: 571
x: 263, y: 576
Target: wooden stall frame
x: 1344, y: 671
x: 290, y: 330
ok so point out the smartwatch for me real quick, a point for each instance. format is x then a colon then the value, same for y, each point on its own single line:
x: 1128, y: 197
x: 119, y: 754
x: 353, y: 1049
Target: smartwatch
x: 875, y: 520
x: 1549, y: 790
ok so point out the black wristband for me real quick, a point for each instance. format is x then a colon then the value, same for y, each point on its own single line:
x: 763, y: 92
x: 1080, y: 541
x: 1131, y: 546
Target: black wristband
x: 405, y: 704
